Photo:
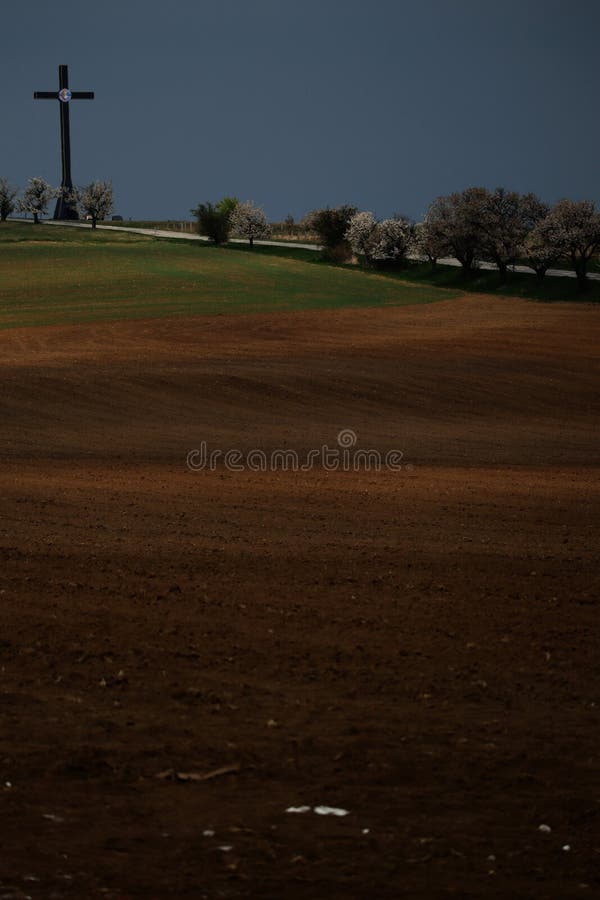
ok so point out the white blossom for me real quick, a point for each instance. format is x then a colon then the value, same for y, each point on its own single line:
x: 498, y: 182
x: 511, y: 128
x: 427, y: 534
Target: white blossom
x: 378, y: 241
x: 95, y: 199
x: 391, y: 240
x: 248, y: 220
x: 36, y: 197
x: 360, y: 232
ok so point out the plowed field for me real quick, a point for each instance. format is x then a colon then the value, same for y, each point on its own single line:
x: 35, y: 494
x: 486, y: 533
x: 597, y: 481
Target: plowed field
x: 186, y: 654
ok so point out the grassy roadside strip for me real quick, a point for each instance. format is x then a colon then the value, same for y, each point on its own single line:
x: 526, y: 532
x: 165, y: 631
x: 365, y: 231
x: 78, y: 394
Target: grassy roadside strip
x: 481, y: 281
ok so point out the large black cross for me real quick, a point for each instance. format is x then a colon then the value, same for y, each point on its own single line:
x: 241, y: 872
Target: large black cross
x: 65, y: 208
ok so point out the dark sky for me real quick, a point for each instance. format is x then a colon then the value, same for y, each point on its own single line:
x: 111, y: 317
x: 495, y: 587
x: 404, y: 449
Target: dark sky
x: 384, y: 104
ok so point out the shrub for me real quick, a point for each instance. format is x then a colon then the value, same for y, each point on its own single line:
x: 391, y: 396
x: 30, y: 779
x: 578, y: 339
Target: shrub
x: 330, y: 226
x: 214, y: 220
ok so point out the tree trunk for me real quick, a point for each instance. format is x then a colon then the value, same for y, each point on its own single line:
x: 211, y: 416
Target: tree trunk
x: 251, y: 241
x: 93, y: 222
x: 36, y: 219
x: 466, y: 259
x: 502, y: 270
x: 580, y: 266
x: 582, y: 282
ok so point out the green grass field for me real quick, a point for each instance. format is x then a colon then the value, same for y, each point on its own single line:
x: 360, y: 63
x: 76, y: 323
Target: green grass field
x: 481, y: 281
x: 51, y: 275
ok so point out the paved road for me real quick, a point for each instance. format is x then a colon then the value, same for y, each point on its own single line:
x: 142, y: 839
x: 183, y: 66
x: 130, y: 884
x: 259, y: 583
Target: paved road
x: 554, y: 273
x: 186, y: 236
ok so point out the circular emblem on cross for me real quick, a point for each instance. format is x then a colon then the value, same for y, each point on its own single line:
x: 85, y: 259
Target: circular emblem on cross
x: 64, y: 95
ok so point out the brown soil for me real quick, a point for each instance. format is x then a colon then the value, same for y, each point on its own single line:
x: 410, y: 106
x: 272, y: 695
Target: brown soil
x: 417, y: 647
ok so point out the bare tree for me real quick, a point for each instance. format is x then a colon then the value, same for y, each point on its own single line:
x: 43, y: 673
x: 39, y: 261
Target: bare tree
x: 36, y: 197
x: 248, y: 220
x: 95, y: 200
x: 430, y: 242
x: 7, y: 199
x: 482, y: 224
x: 534, y: 210
x: 454, y: 222
x: 504, y: 221
x: 541, y: 246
